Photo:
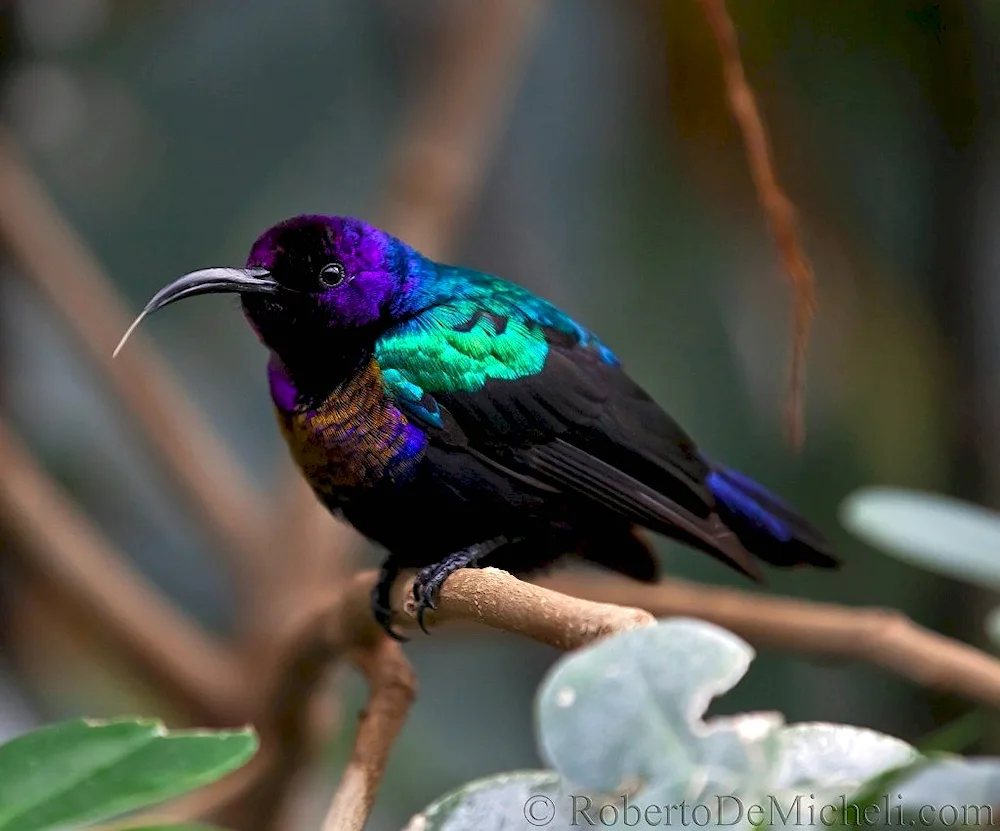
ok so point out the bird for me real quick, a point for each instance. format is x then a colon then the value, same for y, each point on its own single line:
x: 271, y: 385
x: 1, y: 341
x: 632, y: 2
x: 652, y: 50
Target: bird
x: 459, y: 420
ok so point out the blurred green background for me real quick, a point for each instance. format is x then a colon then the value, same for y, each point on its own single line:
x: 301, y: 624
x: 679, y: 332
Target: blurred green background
x: 171, y: 133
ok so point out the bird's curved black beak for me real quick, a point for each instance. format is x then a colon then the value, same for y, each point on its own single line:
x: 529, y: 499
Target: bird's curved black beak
x: 206, y: 281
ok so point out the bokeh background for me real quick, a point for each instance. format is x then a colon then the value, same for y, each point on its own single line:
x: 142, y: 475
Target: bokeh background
x: 171, y: 133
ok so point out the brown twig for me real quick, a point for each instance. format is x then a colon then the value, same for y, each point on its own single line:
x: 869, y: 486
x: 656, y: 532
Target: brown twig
x: 881, y: 637
x: 392, y: 688
x: 57, y: 541
x: 773, y: 199
x: 488, y: 597
x: 342, y: 623
x: 494, y: 598
x: 571, y: 610
x: 69, y: 276
x: 317, y: 552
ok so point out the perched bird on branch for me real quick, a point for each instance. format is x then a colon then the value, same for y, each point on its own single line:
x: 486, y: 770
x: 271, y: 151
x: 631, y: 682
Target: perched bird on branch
x: 458, y: 419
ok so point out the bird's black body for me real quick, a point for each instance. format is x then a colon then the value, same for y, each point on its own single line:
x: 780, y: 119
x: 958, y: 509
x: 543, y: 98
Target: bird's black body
x: 457, y: 419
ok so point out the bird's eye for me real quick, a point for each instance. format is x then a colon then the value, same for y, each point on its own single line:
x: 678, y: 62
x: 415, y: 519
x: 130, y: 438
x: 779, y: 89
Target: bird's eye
x: 332, y: 274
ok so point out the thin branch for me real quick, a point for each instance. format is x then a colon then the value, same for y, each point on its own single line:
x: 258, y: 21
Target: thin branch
x: 54, y: 539
x: 342, y: 623
x: 60, y: 264
x: 773, y: 199
x: 881, y: 637
x: 489, y: 597
x: 392, y: 688
x: 571, y: 610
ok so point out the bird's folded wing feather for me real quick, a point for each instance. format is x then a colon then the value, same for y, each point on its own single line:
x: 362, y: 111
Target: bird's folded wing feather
x: 531, y: 391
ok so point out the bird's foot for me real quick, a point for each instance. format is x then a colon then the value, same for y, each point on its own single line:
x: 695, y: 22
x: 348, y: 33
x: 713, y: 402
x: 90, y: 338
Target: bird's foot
x: 429, y: 580
x: 381, y: 599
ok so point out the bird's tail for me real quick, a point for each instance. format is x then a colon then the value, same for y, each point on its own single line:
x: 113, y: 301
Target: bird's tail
x: 766, y: 526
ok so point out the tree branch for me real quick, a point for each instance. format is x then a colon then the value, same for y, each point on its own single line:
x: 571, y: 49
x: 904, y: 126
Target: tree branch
x: 773, y: 199
x: 392, y: 688
x: 60, y: 264
x: 881, y: 637
x: 57, y: 541
x: 287, y: 671
x: 494, y: 598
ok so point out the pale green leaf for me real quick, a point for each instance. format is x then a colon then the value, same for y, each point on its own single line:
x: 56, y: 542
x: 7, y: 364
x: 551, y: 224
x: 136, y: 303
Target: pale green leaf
x: 937, y: 533
x: 86, y: 771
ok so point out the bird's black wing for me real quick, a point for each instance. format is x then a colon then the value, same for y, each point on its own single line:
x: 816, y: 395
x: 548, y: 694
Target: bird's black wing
x: 578, y: 423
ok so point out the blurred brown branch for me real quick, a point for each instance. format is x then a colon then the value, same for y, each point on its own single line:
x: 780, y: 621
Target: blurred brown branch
x: 456, y: 120
x: 773, y: 199
x: 881, y: 637
x: 55, y: 540
x: 393, y: 687
x: 67, y: 273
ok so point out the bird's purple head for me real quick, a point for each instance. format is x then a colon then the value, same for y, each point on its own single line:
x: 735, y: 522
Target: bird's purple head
x: 342, y: 270
x: 313, y: 282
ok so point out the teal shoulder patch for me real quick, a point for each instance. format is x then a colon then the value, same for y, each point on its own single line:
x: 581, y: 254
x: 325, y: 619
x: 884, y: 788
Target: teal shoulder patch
x: 458, y: 348
x: 410, y: 398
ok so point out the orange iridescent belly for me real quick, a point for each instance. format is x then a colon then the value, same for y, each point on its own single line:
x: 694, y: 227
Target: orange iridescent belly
x: 356, y: 438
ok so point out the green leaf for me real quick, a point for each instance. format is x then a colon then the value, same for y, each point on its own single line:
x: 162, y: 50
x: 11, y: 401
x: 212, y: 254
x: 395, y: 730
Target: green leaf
x: 622, y: 724
x: 84, y: 771
x: 956, y: 735
x: 511, y: 800
x: 628, y: 709
x: 954, y: 781
x: 937, y: 533
x: 836, y: 758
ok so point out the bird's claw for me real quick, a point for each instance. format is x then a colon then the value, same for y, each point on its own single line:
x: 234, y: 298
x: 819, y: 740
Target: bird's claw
x: 428, y: 582
x: 426, y: 588
x: 381, y: 603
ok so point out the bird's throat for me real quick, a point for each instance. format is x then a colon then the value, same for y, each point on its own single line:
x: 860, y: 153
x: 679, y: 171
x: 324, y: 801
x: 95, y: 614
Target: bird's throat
x: 303, y: 379
x: 309, y: 359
